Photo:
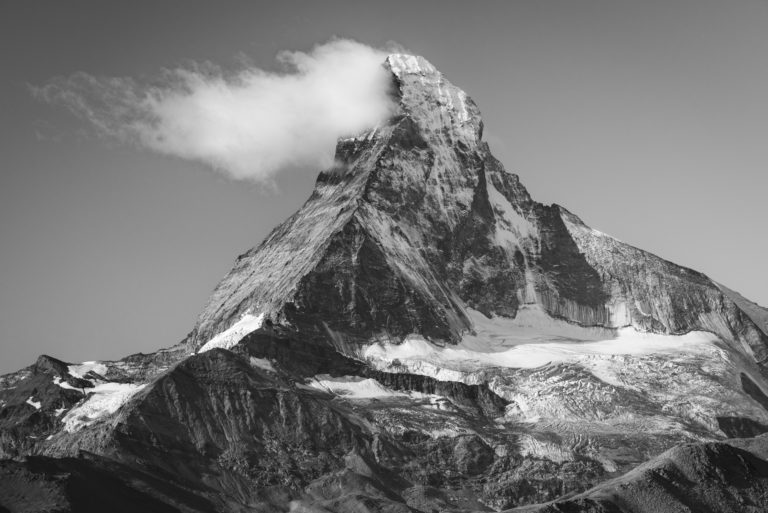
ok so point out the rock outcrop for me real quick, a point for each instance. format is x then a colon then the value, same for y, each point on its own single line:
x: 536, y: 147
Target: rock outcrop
x: 420, y: 336
x: 724, y: 476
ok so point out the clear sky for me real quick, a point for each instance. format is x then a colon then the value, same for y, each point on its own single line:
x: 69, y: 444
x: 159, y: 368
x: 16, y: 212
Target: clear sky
x: 649, y: 119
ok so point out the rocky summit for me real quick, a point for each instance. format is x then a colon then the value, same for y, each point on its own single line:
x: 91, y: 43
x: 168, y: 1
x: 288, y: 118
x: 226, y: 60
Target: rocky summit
x: 420, y: 336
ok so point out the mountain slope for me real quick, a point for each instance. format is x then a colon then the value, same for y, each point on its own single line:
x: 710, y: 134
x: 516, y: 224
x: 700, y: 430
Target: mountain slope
x: 421, y: 335
x: 730, y: 476
x: 418, y: 222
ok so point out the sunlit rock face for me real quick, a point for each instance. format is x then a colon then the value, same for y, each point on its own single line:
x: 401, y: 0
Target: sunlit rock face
x: 420, y: 336
x: 418, y: 221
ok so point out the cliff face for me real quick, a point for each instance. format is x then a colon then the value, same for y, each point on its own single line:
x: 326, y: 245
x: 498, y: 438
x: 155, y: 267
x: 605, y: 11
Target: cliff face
x: 421, y: 335
x: 418, y: 222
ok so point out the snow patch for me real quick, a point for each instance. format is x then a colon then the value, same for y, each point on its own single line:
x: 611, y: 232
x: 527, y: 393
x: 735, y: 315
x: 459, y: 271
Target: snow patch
x: 35, y: 404
x: 262, y: 363
x: 352, y: 387
x: 355, y: 387
x: 449, y: 432
x: 79, y: 371
x: 528, y: 341
x: 228, y: 338
x: 104, y: 399
x: 511, y: 227
x: 63, y: 384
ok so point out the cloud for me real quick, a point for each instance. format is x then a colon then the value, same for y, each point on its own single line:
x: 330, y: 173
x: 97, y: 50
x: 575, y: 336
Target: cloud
x: 249, y: 124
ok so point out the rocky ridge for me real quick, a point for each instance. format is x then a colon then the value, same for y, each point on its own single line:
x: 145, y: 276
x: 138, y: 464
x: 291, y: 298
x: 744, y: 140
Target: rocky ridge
x: 420, y: 336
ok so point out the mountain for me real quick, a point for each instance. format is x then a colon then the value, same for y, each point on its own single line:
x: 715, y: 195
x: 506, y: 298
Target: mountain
x: 420, y: 336
x: 715, y: 476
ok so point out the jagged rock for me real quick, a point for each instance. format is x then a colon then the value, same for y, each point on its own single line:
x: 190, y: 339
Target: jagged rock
x: 420, y: 336
x: 418, y: 221
x: 717, y: 477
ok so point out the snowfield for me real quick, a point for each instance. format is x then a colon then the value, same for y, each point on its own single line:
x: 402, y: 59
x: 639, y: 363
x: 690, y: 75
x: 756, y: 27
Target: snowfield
x: 566, y: 376
x: 231, y: 336
x: 531, y: 340
x: 102, y: 400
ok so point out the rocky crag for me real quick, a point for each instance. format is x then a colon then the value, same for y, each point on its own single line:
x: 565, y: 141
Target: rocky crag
x: 420, y: 336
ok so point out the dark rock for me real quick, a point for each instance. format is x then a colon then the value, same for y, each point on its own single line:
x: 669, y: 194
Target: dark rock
x: 712, y: 477
x: 89, y: 485
x: 414, y: 227
x: 472, y: 455
x: 741, y: 427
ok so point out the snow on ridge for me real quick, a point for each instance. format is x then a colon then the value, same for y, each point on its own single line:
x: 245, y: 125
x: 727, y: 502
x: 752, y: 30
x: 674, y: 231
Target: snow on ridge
x: 35, y: 404
x: 231, y: 336
x: 63, y: 384
x: 79, y: 371
x: 352, y: 387
x: 102, y: 400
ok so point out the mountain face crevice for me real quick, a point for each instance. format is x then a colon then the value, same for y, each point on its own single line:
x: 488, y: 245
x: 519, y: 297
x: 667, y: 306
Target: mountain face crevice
x: 420, y: 336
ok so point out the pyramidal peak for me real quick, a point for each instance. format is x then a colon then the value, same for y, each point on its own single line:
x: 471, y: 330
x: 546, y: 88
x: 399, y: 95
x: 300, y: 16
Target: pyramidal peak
x: 402, y: 63
x: 420, y: 335
x: 419, y: 226
x: 409, y: 181
x: 433, y: 102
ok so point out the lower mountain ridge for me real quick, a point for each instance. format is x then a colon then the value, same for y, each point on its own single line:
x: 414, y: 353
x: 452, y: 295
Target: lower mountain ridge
x: 420, y: 336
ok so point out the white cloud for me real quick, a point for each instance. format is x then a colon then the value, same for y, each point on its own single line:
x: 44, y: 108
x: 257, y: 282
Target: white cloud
x: 249, y: 124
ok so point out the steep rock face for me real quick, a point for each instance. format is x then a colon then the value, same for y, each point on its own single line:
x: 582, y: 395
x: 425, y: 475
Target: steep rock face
x: 418, y: 222
x: 356, y: 217
x: 657, y: 295
x: 421, y: 335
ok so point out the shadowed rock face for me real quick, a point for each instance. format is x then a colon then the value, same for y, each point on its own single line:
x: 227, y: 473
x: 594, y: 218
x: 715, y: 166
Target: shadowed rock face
x: 419, y: 221
x: 381, y: 350
x: 730, y: 476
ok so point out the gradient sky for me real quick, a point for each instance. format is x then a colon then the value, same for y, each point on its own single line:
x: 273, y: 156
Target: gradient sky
x: 649, y: 119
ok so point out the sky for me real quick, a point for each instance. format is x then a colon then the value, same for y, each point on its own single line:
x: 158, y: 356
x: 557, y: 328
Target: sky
x: 647, y: 119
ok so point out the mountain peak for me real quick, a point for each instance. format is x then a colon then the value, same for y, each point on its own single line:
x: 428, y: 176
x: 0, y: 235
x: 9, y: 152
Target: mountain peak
x: 434, y: 103
x: 422, y: 317
x: 405, y: 64
x: 419, y: 227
